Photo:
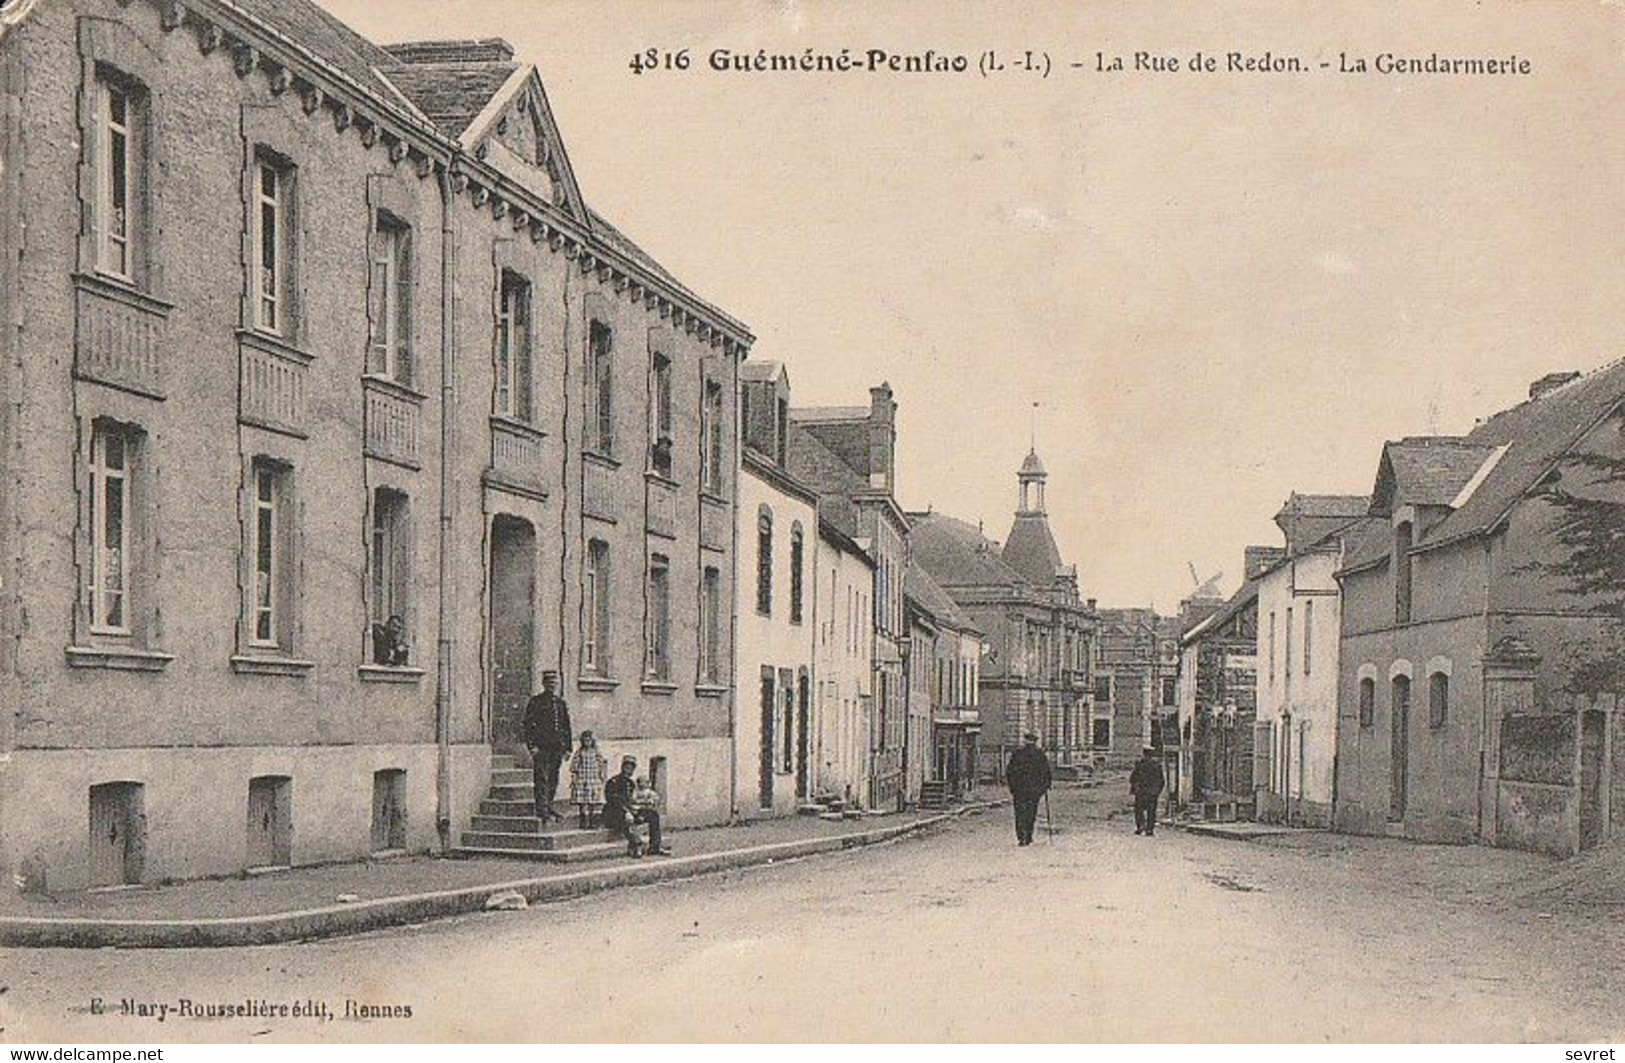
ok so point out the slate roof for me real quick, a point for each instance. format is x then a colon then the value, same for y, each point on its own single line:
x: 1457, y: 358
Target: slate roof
x: 1325, y: 506
x: 1031, y: 549
x: 957, y: 554
x: 817, y: 414
x: 929, y: 595
x: 1032, y: 466
x: 1426, y: 471
x: 1536, y: 434
x: 449, y: 82
x: 1244, y: 596
x: 310, y: 26
x: 760, y: 369
x: 1525, y: 442
x: 812, y: 463
x: 452, y: 94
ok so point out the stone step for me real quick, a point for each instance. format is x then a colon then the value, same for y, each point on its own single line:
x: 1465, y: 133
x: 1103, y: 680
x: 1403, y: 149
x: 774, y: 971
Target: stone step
x: 599, y: 851
x: 511, y: 792
x: 502, y: 807
x: 499, y: 761
x: 528, y: 835
x: 511, y: 776
x: 523, y: 823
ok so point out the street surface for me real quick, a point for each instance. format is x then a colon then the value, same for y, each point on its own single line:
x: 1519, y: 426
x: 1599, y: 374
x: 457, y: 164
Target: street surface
x: 957, y: 936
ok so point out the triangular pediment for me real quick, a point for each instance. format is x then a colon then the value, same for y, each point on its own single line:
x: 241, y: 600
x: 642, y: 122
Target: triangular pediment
x: 517, y: 135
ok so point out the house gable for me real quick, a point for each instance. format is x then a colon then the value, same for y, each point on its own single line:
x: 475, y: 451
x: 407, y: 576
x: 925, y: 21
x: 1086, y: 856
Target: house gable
x: 517, y: 134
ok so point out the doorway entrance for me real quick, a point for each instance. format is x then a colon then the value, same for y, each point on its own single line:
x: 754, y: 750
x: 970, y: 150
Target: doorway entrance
x: 765, y: 778
x: 118, y: 834
x: 270, y: 821
x: 1399, y: 747
x: 512, y: 582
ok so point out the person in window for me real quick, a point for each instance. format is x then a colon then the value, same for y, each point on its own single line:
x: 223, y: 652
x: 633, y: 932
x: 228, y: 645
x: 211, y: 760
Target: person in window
x: 1028, y: 776
x: 1145, y: 783
x: 389, y: 643
x: 628, y: 807
x: 548, y: 737
x: 587, y: 773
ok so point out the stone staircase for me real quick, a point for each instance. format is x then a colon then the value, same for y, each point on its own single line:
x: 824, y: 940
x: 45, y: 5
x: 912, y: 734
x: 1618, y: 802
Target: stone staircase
x: 507, y: 826
x: 934, y: 794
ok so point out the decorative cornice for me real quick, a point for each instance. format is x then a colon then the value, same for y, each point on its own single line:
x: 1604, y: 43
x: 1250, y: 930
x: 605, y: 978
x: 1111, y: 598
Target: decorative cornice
x: 253, y: 43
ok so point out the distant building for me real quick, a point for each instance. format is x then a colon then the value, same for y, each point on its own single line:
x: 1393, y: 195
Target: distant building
x: 1299, y: 621
x: 1135, y: 684
x: 1471, y: 707
x: 945, y: 675
x: 848, y: 456
x: 843, y: 671
x: 777, y: 609
x: 1039, y: 633
x: 1218, y: 692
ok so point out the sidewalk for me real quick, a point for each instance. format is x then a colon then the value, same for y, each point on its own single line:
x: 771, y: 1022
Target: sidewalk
x: 304, y: 902
x: 1237, y: 830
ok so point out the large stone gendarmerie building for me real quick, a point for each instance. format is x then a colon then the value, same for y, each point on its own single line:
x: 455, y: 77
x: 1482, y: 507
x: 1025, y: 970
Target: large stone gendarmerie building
x: 329, y: 417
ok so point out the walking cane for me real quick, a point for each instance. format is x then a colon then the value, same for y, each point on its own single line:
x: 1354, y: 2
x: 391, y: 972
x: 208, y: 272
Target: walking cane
x: 1048, y: 822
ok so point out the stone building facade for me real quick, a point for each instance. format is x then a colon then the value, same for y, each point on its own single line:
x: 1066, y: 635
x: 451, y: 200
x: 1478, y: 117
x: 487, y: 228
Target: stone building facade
x: 778, y: 611
x: 1136, y: 671
x: 1469, y: 707
x: 843, y: 667
x: 848, y: 456
x: 1038, y: 632
x: 344, y: 418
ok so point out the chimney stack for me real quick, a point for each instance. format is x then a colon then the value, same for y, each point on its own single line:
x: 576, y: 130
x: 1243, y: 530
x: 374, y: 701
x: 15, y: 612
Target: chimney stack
x: 882, y: 438
x: 1550, y: 382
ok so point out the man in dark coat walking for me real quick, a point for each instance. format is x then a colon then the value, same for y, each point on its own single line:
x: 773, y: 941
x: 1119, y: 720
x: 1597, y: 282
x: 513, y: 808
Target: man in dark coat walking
x: 547, y: 734
x: 1028, y: 777
x: 1145, y: 782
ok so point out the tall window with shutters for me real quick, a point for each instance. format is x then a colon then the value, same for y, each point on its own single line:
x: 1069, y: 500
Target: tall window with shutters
x: 601, y: 389
x: 389, y: 294
x: 112, y: 528
x: 116, y: 209
x: 660, y: 441
x: 272, y: 201
x: 764, y: 561
x: 595, y: 610
x: 711, y: 423
x: 657, y: 635
x: 512, y: 396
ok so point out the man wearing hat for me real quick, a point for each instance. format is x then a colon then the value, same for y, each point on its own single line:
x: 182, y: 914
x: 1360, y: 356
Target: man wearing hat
x: 1028, y: 777
x: 547, y: 734
x: 1145, y: 783
x: 621, y: 811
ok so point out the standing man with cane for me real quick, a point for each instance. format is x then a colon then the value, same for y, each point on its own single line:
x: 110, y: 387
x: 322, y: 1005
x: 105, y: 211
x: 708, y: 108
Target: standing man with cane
x: 1028, y: 777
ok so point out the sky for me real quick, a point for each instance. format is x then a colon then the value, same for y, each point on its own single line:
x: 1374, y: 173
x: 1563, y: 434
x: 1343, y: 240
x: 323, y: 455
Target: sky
x: 1219, y: 288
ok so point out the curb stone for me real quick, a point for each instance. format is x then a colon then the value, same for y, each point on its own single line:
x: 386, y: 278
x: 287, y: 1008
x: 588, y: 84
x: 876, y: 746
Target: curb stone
x: 360, y: 917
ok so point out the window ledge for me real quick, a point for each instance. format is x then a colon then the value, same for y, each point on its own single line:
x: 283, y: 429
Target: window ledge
x: 118, y: 658
x: 391, y: 386
x: 244, y: 664
x: 655, y: 476
x: 275, y: 344
x: 516, y: 426
x: 123, y: 290
x: 710, y: 690
x: 600, y: 458
x: 659, y: 686
x: 384, y: 673
x: 709, y: 494
x: 596, y: 682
